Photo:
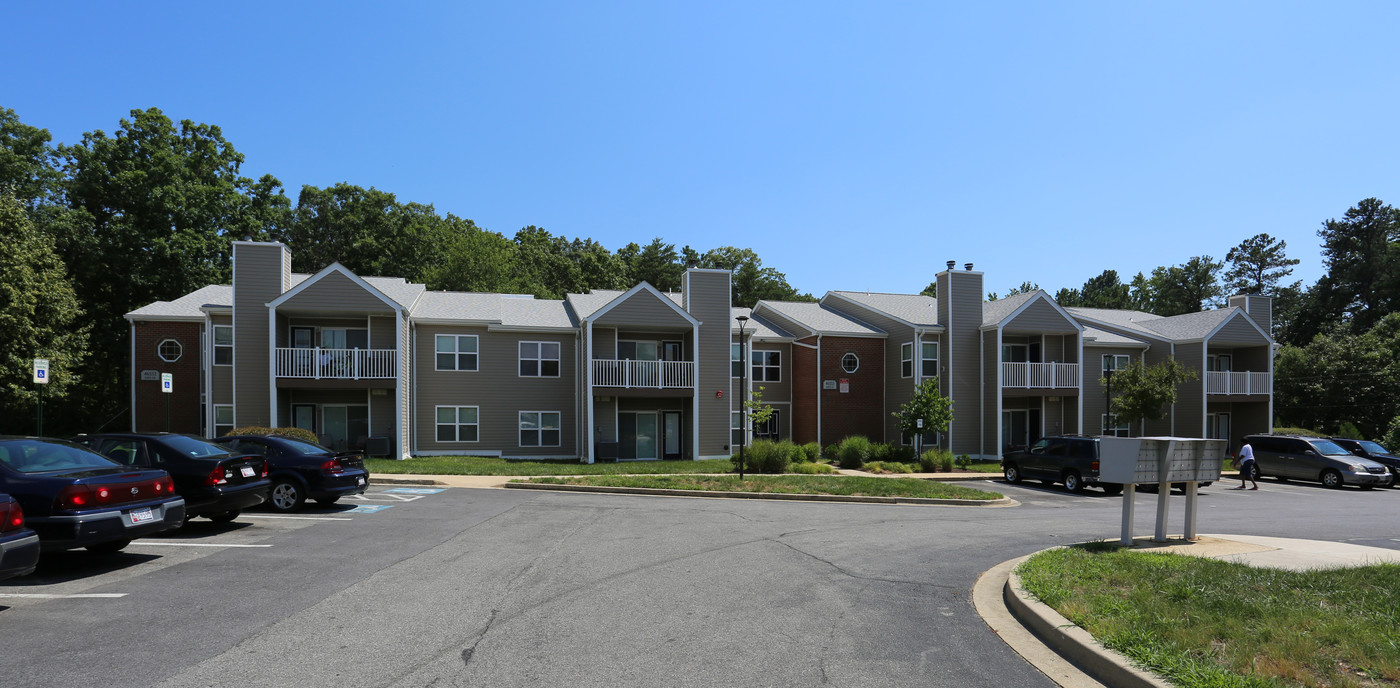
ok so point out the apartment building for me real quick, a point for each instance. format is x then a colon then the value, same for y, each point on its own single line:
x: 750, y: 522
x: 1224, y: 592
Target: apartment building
x: 383, y: 364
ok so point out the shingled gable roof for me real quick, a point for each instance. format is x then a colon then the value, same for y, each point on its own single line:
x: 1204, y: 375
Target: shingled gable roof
x: 1132, y: 321
x: 757, y: 327
x: 598, y: 302
x: 998, y: 313
x: 337, y: 268
x: 914, y: 310
x: 191, y: 306
x: 1094, y: 336
x: 818, y: 319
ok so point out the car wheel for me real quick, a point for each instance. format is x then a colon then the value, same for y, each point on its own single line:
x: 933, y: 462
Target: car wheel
x: 1073, y: 483
x: 225, y: 517
x: 109, y: 547
x: 286, y: 496
x: 1332, y: 479
x: 1012, y: 473
x: 327, y: 501
x: 1111, y: 489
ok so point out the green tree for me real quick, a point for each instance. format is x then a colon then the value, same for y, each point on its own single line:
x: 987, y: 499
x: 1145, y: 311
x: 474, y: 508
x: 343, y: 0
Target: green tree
x: 474, y: 259
x: 39, y: 318
x: 928, y: 405
x: 1341, y: 376
x: 1105, y: 291
x: 28, y: 163
x: 657, y: 264
x: 1362, y: 254
x: 1257, y: 265
x: 931, y: 290
x: 751, y: 282
x: 1144, y: 392
x: 1186, y: 288
x: 1140, y: 293
x: 1069, y: 298
x: 367, y: 231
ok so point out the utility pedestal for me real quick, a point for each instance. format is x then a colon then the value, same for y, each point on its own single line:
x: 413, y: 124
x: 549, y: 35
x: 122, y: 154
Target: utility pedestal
x: 1131, y: 461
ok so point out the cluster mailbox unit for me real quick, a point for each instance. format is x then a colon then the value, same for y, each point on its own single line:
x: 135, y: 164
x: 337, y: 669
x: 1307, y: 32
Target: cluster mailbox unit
x: 1161, y: 461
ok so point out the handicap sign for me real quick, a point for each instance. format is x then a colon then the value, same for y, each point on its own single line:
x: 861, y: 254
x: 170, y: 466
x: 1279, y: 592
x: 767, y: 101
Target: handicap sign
x: 368, y: 508
x: 416, y: 490
x: 167, y: 383
x: 41, y: 371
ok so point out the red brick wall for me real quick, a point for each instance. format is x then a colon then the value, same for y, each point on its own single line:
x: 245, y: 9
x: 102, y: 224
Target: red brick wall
x: 861, y: 410
x: 804, y: 396
x: 149, y: 410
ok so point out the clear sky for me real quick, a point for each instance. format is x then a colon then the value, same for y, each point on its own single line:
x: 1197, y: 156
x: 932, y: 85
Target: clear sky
x: 852, y: 145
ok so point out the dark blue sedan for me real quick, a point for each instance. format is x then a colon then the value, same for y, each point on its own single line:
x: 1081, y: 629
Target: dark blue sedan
x: 214, y: 483
x: 301, y: 470
x: 19, y: 546
x: 73, y: 497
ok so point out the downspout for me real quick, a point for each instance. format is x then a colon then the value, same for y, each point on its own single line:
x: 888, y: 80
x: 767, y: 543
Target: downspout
x: 207, y: 363
x: 578, y: 402
x: 413, y: 348
x: 271, y: 367
x: 1171, y: 351
x: 1080, y: 414
x: 694, y: 425
x: 819, y: 390
x: 132, y: 374
x: 981, y: 388
x: 588, y: 389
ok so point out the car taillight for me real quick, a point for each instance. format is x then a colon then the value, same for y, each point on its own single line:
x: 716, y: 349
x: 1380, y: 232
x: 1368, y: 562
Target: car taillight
x: 1094, y: 467
x: 11, y: 517
x: 332, y: 466
x: 264, y: 473
x: 74, y: 496
x: 216, y: 476
x: 104, y: 494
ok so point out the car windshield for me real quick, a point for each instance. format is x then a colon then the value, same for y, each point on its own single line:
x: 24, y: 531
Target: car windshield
x: 190, y: 446
x: 40, y: 456
x: 304, y: 448
x: 1329, y: 447
x: 1372, y: 447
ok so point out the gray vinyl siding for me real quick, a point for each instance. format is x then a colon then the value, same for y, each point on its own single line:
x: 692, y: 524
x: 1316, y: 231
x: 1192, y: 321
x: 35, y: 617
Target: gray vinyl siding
x: 707, y: 299
x: 1095, y: 402
x: 1039, y: 316
x: 1190, y: 412
x: 1238, y: 332
x: 257, y: 279
x: 643, y: 307
x: 782, y: 389
x: 382, y: 412
x: 962, y: 293
x: 898, y: 389
x: 498, y: 391
x: 381, y: 333
x: 221, y: 376
x: 1058, y: 416
x: 1060, y: 348
x: 1251, y: 358
x: 1156, y: 354
x: 990, y: 417
x: 604, y: 343
x: 605, y: 421
x: 336, y: 292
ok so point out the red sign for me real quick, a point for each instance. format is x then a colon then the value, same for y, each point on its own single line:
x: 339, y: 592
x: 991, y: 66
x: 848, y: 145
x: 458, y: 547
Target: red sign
x: 844, y: 384
x: 719, y: 394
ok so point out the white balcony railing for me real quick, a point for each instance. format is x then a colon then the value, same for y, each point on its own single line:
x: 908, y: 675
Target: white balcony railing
x: 1039, y: 375
x: 338, y: 364
x: 1237, y: 382
x: 653, y: 374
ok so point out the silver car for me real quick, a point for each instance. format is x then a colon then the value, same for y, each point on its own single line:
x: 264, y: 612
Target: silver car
x: 1290, y: 457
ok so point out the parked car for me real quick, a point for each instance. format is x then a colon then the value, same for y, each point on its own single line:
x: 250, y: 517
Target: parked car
x: 1367, y: 449
x: 301, y: 470
x: 1293, y: 457
x: 215, y: 483
x: 19, y: 546
x: 73, y: 497
x: 1071, y: 460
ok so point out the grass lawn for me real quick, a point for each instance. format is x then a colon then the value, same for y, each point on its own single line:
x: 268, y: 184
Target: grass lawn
x: 984, y: 466
x: 788, y: 484
x: 1202, y: 622
x: 485, y: 465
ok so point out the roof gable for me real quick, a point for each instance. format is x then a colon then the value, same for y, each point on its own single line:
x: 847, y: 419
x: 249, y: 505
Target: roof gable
x: 642, y: 304
x: 335, y: 288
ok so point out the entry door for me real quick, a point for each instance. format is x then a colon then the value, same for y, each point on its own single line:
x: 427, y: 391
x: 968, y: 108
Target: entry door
x: 304, y: 416
x: 672, y: 438
x: 637, y: 433
x: 1218, y: 426
x: 333, y: 426
x: 1033, y: 426
x: 671, y: 351
x: 1014, y: 426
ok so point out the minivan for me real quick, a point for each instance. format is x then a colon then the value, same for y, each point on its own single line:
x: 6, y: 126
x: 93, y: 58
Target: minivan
x: 1293, y: 457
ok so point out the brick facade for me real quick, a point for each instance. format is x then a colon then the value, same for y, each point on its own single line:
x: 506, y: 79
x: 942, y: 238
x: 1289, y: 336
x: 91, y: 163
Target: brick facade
x: 804, y: 395
x: 861, y: 410
x: 148, y: 414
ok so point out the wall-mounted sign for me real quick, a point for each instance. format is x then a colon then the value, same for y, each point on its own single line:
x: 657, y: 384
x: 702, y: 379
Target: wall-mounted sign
x: 828, y: 384
x: 167, y: 383
x: 151, y: 375
x: 845, y: 385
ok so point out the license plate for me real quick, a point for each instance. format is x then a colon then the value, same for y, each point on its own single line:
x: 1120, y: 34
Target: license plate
x: 142, y: 515
x: 360, y: 481
x: 247, y: 471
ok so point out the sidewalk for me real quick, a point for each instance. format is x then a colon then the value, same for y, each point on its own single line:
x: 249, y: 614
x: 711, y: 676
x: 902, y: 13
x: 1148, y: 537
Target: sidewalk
x: 501, y: 480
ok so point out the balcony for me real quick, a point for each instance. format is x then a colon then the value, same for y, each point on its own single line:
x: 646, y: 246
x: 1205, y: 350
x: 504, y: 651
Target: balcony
x: 644, y: 374
x: 1238, y: 382
x: 1039, y: 375
x: 338, y: 364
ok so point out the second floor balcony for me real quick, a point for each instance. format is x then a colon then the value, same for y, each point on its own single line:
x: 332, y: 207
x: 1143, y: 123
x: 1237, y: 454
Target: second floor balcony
x: 643, y: 374
x: 1023, y: 375
x: 1238, y: 382
x: 316, y: 363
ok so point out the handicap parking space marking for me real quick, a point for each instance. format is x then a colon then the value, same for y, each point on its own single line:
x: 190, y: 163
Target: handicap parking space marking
x: 60, y: 596
x: 297, y: 518
x: 417, y: 490
x: 369, y: 508
x: 185, y: 543
x: 382, y: 497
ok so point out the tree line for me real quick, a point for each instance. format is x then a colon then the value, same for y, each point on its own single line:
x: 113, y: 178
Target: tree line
x: 92, y: 230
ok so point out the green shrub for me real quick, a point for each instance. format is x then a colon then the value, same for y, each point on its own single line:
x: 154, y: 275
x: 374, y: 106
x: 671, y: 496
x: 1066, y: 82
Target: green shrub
x: 1349, y: 431
x: 852, y: 452
x: 794, y: 452
x: 1392, y: 435
x: 902, y: 454
x: 294, y: 433
x: 888, y: 467
x: 764, y: 456
x: 1298, y: 431
x: 936, y: 461
x: 812, y: 468
x: 813, y: 451
x: 963, y: 461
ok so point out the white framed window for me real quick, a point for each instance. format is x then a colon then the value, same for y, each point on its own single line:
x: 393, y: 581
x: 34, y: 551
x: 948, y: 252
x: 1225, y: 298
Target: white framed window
x: 767, y: 366
x: 906, y: 359
x: 635, y: 350
x: 458, y: 423
x: 223, y: 345
x: 1113, y: 426
x: 736, y: 428
x: 928, y: 359
x: 539, y: 359
x: 456, y: 352
x: 1218, y: 362
x: 539, y: 429
x: 850, y: 362
x: 223, y: 419
x: 1115, y: 362
x: 169, y: 350
x: 736, y: 360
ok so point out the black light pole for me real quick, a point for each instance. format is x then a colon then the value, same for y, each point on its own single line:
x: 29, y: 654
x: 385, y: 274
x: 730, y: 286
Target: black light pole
x: 743, y: 393
x: 1108, y: 400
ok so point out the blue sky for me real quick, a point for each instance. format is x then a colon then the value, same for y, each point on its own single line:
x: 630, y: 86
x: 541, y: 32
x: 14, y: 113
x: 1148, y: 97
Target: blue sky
x: 852, y: 145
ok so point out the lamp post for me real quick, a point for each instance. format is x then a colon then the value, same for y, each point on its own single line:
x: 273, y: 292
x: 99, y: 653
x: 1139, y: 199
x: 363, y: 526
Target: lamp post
x: 1108, y: 400
x: 743, y: 392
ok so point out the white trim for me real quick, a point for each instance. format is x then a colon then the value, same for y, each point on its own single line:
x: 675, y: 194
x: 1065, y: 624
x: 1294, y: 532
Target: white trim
x: 919, y: 371
x: 214, y: 344
x: 1120, y: 330
x: 694, y: 426
x: 818, y: 368
x: 588, y: 390
x: 998, y: 389
x: 1079, y: 417
x: 457, y: 425
x: 178, y: 356
x: 540, y: 430
x: 334, y: 267
x: 457, y: 343
x: 852, y: 354
x: 271, y: 367
x: 401, y: 383
x: 539, y: 359
x: 1039, y: 295
x: 765, y: 366
x: 134, y: 375
x: 214, y: 419
x: 207, y: 365
x: 1238, y: 312
x: 137, y: 317
x: 643, y: 286
x: 910, y: 359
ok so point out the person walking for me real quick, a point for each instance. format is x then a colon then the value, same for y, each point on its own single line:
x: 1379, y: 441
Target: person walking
x: 1245, y: 461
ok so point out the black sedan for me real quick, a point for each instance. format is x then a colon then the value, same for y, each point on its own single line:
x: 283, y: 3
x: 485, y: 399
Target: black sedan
x: 301, y: 470
x: 215, y: 483
x: 73, y: 497
x: 1367, y: 449
x: 19, y: 546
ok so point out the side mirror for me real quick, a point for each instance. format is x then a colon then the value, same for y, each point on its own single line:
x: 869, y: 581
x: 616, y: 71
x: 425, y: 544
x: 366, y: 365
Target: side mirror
x: 1037, y: 450
x: 1309, y: 452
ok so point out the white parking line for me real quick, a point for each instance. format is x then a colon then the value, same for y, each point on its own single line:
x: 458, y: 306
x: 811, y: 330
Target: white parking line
x: 188, y: 544
x: 297, y: 518
x: 382, y: 497
x: 56, y: 596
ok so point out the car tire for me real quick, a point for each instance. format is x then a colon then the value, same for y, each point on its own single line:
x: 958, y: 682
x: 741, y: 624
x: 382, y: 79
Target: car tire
x: 1332, y: 479
x: 286, y: 496
x: 1073, y: 483
x: 1012, y: 473
x: 108, y: 547
x: 327, y: 501
x: 1112, y: 489
x: 225, y: 517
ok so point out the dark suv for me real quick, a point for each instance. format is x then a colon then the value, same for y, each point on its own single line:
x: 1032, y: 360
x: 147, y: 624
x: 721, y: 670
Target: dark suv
x: 1293, y: 457
x: 1367, y: 449
x: 1071, y: 460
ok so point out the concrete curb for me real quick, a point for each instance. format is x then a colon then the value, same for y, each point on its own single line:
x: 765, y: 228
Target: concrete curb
x: 1003, y: 502
x: 380, y: 480
x: 1072, y: 642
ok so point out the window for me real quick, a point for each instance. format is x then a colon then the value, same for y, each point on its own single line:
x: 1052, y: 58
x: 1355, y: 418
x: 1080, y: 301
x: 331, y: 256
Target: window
x: 928, y: 360
x: 456, y: 352
x: 637, y: 351
x: 768, y: 429
x: 1015, y: 353
x: 539, y: 428
x: 736, y: 360
x: 767, y: 366
x: 223, y: 419
x: 1115, y: 362
x: 223, y: 345
x: 1113, y: 426
x: 169, y: 350
x: 906, y: 360
x: 539, y: 359
x: 458, y: 424
x: 850, y: 363
x: 736, y: 428
x: 1218, y: 362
